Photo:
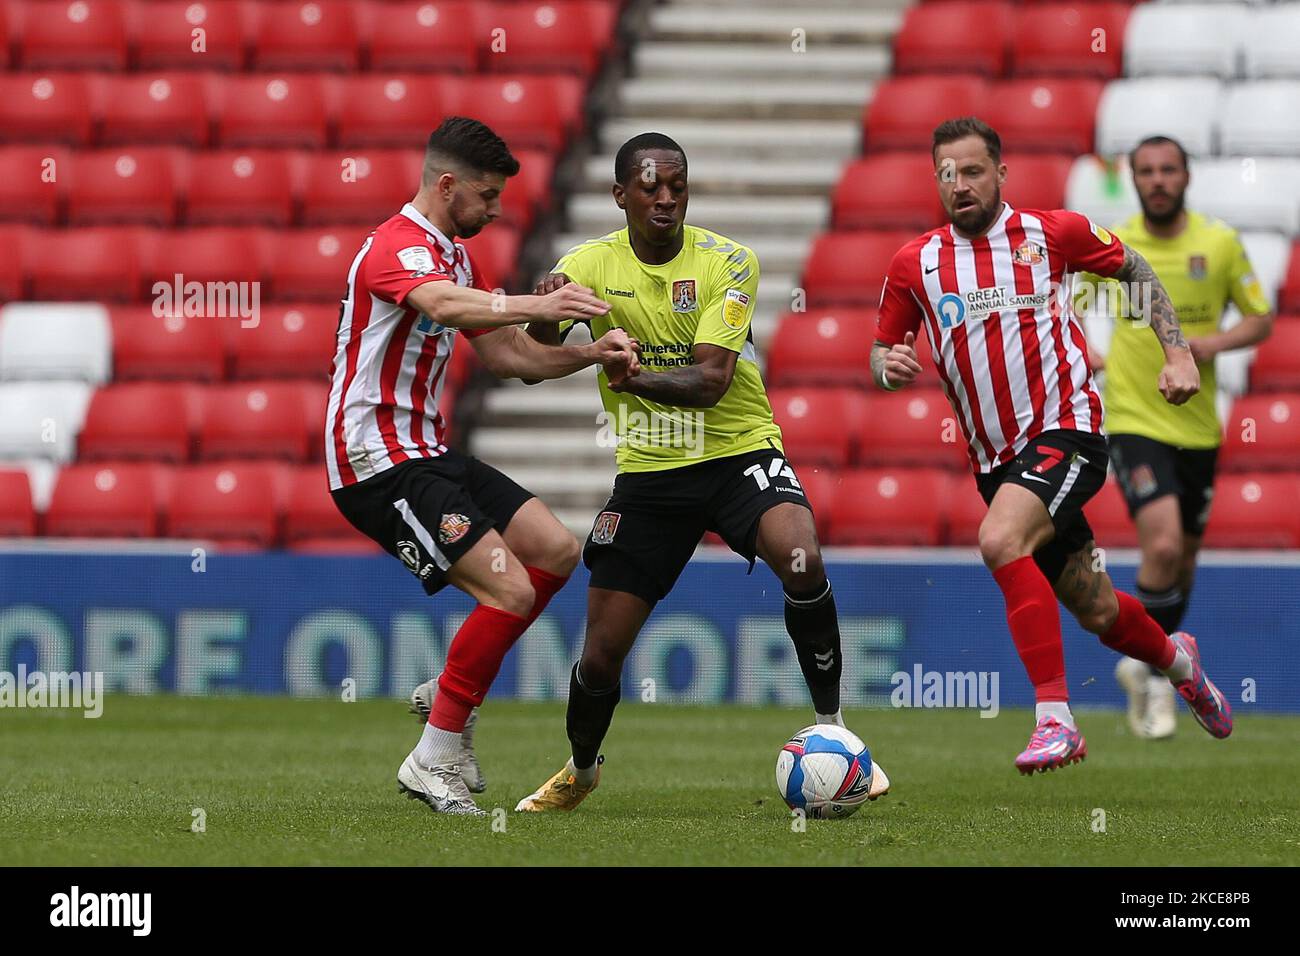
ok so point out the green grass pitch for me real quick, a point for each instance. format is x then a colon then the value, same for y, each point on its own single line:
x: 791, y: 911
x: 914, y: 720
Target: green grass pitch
x: 303, y: 782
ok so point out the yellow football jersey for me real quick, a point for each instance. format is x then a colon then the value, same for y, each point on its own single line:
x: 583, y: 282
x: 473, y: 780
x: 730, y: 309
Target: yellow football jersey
x: 705, y: 295
x: 1203, y: 268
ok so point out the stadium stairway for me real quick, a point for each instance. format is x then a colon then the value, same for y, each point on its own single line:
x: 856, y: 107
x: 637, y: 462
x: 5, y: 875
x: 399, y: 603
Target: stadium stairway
x: 767, y: 102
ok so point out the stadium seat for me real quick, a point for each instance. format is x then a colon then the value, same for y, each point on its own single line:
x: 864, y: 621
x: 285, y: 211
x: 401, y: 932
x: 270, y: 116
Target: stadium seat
x: 315, y: 395
x: 45, y: 108
x: 420, y: 36
x: 1250, y: 193
x: 904, y: 111
x: 55, y: 341
x: 254, y: 420
x: 1045, y: 115
x: 32, y: 183
x: 1185, y: 108
x: 914, y: 426
x: 541, y: 37
x: 105, y: 500
x: 1059, y: 39
x: 819, y: 426
x: 1192, y: 40
x: 271, y: 110
x: 956, y: 37
x: 17, y: 513
x: 360, y: 186
x: 84, y: 35
x: 164, y: 32
x: 890, y: 506
x: 236, y: 504
x: 317, y: 35
x: 1262, y: 432
x: 129, y: 184
x: 289, y: 341
x: 313, y: 523
x: 312, y: 264
x: 819, y: 488
x: 1036, y: 181
x: 1109, y: 519
x: 97, y: 263
x: 42, y: 419
x: 150, y: 421
x: 494, y: 253
x: 155, y: 108
x: 217, y: 256
x: 527, y: 111
x: 1277, y: 360
x: 8, y: 25
x: 239, y: 188
x: 528, y: 192
x: 823, y: 347
x: 393, y: 110
x: 848, y: 268
x: 1289, y: 295
x: 1261, y: 118
x: 1271, y: 39
x: 1102, y: 190
x: 13, y: 239
x: 1254, y: 511
x: 964, y: 513
x: 174, y: 347
x: 888, y: 191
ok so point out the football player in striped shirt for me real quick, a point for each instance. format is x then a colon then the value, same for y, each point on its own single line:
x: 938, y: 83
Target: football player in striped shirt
x: 990, y: 289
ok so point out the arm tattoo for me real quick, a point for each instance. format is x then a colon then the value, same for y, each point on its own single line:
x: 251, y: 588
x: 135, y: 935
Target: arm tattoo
x: 1164, y: 320
x: 878, y: 352
x: 688, y: 386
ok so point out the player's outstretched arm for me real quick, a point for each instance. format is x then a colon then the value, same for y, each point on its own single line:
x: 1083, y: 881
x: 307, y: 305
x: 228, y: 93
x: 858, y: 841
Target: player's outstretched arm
x: 548, y: 333
x: 1179, y: 379
x: 510, y: 353
x: 462, y: 307
x: 700, y: 385
x: 893, y: 366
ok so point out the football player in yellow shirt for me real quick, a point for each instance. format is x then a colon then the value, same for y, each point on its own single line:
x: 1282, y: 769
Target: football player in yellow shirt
x: 698, y: 450
x: 1164, y: 455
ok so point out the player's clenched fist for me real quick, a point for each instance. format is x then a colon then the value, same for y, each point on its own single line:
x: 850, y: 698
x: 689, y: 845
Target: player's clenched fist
x: 620, y: 355
x: 1180, y: 379
x: 550, y: 283
x: 901, y: 366
x: 570, y: 302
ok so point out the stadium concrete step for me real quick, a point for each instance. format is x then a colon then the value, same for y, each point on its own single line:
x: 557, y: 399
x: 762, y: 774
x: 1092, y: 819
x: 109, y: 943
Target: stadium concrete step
x: 744, y: 99
x: 764, y: 61
x: 741, y: 175
x: 594, y: 214
x: 775, y: 24
x: 751, y: 139
x: 552, y: 446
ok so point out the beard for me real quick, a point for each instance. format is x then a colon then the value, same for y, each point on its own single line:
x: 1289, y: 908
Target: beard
x: 975, y: 221
x: 1164, y: 218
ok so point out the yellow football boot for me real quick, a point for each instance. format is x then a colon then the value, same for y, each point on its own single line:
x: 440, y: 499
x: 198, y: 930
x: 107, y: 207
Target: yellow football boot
x: 561, y: 792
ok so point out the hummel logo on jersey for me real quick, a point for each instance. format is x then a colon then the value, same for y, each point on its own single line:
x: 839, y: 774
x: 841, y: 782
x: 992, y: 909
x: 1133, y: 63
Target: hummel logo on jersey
x: 626, y: 295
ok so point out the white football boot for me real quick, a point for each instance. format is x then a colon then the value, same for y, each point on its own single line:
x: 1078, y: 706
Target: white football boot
x: 422, y: 704
x: 879, y: 782
x: 441, y: 787
x: 1162, y: 707
x: 1135, y: 678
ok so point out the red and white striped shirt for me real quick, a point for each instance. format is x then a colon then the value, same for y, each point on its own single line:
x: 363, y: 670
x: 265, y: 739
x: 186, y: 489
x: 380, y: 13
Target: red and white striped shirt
x: 1002, y: 331
x: 390, y: 360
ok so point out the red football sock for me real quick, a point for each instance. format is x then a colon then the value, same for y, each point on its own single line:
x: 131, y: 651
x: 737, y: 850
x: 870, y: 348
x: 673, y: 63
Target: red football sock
x: 473, y: 659
x: 1035, y: 623
x: 1136, y: 634
x: 545, y: 585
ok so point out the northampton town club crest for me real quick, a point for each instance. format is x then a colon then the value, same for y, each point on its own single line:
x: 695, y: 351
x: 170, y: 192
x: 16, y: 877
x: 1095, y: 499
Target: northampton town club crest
x: 684, y: 295
x: 605, y: 528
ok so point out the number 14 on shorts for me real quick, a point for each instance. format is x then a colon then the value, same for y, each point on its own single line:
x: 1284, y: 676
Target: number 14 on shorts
x: 776, y: 468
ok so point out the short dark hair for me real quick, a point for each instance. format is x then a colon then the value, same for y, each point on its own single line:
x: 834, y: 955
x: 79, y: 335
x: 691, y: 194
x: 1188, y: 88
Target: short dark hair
x: 1158, y: 140
x: 471, y: 144
x: 625, y: 160
x: 949, y: 131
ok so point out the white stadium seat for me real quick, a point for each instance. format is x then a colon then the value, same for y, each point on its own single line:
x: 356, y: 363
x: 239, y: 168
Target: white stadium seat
x: 1261, y: 118
x: 1186, y: 109
x: 1195, y: 40
x: 1271, y: 40
x: 45, y: 340
x: 1248, y: 193
x: 1269, y: 253
x: 42, y: 419
x: 1101, y: 191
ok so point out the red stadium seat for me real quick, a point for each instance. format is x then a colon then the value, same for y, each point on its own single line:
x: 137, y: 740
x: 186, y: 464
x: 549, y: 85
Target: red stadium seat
x: 222, y: 256
x: 13, y: 240
x: 240, y: 188
x: 315, y: 400
x: 6, y: 30
x: 825, y: 347
x: 171, y: 347
x: 961, y: 37
x: 1255, y: 511
x: 316, y: 35
x: 17, y: 514
x: 819, y: 426
x: 494, y: 253
x: 530, y: 191
x: 289, y: 341
x: 888, y: 191
x: 142, y: 108
x: 1277, y: 362
x: 913, y: 426
x: 96, y: 263
x: 45, y: 108
x: 312, y: 522
x: 819, y: 488
x: 32, y: 182
x: 312, y: 264
x: 1288, y: 297
x: 1109, y: 519
x: 848, y: 268
x: 904, y: 111
x: 359, y: 186
x: 890, y: 506
x: 1036, y: 182
x: 965, y: 512
x: 541, y: 37
x: 1045, y: 115
x: 105, y: 500
x: 152, y: 421
x: 1060, y: 39
x: 125, y: 185
x: 254, y: 420
x: 414, y: 35
x: 394, y: 110
x: 1262, y: 432
x: 270, y: 110
x: 81, y: 35
x: 540, y: 112
x: 165, y: 34
x: 233, y: 503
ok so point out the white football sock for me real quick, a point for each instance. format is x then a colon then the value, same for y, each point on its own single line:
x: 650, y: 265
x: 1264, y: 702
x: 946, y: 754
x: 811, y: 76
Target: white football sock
x: 1181, y: 668
x: 586, y: 776
x: 1054, y: 708
x: 836, y: 719
x: 437, y: 746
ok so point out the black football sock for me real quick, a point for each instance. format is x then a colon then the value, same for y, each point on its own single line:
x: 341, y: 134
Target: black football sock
x: 590, y: 712
x: 1165, y: 607
x: 814, y: 627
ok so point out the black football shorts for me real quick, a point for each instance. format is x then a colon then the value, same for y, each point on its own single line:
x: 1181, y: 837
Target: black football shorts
x: 1148, y: 469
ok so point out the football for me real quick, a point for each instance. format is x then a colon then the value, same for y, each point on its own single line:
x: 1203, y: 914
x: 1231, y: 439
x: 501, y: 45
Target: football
x: 825, y: 771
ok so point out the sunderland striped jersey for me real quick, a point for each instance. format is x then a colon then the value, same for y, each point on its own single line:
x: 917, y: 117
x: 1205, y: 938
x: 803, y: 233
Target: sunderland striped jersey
x: 389, y: 361
x: 1002, y: 332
